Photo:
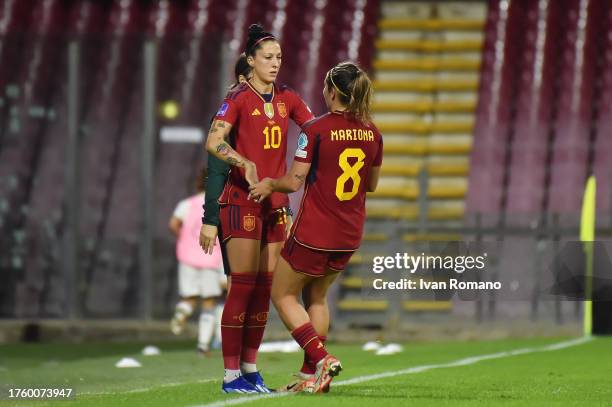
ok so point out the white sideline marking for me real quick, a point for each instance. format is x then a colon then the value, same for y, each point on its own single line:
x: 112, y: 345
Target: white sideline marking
x: 416, y: 369
x: 144, y: 389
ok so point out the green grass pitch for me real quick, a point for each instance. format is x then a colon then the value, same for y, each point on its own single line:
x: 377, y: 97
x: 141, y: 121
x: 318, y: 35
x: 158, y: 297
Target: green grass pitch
x: 578, y: 375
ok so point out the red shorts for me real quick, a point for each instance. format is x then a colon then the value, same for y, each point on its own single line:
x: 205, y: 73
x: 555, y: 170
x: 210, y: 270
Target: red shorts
x: 313, y: 262
x: 248, y: 222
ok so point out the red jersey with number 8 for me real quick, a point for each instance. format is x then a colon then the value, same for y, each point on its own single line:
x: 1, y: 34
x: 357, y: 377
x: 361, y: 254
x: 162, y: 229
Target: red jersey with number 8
x: 342, y: 151
x: 260, y: 136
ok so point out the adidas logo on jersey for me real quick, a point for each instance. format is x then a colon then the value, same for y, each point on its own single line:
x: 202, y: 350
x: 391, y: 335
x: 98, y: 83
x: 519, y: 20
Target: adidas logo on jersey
x: 256, y: 112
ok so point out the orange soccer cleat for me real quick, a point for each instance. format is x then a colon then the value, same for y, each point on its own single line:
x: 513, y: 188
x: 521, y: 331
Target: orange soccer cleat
x: 327, y: 369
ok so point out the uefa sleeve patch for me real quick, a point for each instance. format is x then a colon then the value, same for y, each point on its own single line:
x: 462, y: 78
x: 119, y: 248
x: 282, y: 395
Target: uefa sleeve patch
x: 223, y: 109
x: 302, y: 144
x: 302, y: 141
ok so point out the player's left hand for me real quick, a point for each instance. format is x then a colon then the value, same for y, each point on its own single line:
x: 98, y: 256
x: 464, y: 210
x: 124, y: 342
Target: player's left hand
x: 208, y: 237
x: 261, y: 190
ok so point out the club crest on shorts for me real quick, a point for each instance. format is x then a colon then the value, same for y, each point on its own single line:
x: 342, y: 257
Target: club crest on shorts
x: 282, y: 110
x: 269, y: 110
x: 248, y: 223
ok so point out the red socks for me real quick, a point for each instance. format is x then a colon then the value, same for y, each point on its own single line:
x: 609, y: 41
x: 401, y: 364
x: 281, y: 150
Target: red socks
x: 244, y: 320
x: 308, y: 339
x: 233, y: 319
x: 308, y: 367
x: 256, y: 317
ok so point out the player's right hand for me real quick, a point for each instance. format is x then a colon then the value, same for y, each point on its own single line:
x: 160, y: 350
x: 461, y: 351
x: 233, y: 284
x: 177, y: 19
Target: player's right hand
x: 208, y: 238
x: 250, y: 172
x: 261, y: 190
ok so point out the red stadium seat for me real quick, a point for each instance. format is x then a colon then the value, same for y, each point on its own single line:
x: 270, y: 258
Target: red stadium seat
x: 528, y: 167
x: 603, y: 145
x: 572, y: 138
x: 504, y: 34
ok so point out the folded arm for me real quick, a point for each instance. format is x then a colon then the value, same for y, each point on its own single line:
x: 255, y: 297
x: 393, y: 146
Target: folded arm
x: 217, y: 145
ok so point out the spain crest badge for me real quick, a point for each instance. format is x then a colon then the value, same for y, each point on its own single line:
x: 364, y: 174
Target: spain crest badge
x: 248, y: 223
x: 282, y: 110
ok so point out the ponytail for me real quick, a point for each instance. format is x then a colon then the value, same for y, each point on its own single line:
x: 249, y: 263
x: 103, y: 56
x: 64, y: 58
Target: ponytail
x: 354, y: 89
x: 361, y: 96
x: 241, y: 68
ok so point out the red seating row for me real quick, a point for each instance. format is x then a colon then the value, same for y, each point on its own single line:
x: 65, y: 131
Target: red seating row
x: 543, y: 117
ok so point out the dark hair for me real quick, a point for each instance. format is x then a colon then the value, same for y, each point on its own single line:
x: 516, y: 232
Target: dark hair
x: 201, y: 180
x: 353, y: 87
x: 257, y: 35
x: 241, y: 68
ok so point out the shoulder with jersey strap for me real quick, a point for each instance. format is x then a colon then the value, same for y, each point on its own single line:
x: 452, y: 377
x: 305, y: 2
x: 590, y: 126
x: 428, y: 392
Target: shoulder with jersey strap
x: 286, y: 88
x: 310, y: 123
x: 234, y: 93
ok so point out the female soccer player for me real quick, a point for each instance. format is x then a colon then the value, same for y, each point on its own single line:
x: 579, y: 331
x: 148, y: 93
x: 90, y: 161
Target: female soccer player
x: 339, y: 157
x: 218, y: 171
x: 217, y: 175
x: 259, y: 112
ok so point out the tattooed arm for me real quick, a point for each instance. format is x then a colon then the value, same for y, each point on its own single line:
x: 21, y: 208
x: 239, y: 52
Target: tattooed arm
x: 217, y: 145
x: 290, y: 182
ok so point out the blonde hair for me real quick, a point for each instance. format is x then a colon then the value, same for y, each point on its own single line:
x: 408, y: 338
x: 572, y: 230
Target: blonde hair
x: 354, y: 89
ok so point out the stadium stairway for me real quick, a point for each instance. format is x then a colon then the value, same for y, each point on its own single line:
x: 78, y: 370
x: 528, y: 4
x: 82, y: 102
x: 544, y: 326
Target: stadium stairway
x: 426, y: 75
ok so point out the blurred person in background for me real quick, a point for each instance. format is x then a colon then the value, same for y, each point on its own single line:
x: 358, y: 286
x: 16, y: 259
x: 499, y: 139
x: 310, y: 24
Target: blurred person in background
x: 338, y: 157
x: 256, y: 116
x: 201, y: 278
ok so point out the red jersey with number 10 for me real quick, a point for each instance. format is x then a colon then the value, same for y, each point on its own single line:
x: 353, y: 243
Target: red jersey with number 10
x: 260, y: 135
x: 342, y: 152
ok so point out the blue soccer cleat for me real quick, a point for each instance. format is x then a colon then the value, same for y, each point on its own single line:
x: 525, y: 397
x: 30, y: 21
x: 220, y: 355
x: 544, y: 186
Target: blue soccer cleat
x: 257, y: 381
x: 239, y: 385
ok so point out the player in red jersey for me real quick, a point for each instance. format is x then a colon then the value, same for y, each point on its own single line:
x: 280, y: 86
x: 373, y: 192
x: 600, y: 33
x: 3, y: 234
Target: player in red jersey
x: 339, y: 157
x: 258, y: 112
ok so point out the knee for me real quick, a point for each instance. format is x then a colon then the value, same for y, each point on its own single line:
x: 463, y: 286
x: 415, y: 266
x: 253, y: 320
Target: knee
x: 317, y: 297
x: 280, y: 298
x: 276, y: 290
x: 207, y: 307
x: 276, y: 297
x: 318, y: 303
x: 208, y: 304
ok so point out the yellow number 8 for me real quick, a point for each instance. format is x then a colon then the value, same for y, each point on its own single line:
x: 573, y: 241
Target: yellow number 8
x: 350, y: 172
